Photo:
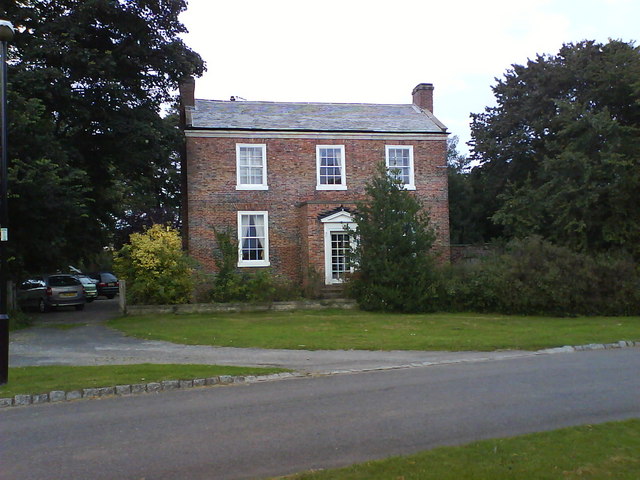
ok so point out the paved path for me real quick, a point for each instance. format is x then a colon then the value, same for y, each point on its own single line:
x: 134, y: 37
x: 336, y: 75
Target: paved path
x: 92, y: 343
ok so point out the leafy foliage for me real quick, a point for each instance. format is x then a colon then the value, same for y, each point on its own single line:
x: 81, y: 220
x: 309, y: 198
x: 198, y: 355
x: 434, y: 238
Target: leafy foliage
x: 232, y: 286
x: 394, y: 265
x: 87, y: 84
x: 465, y: 226
x: 559, y: 153
x: 533, y: 276
x: 155, y: 268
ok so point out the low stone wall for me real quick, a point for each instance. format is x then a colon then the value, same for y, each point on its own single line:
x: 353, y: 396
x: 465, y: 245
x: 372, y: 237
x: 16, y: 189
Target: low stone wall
x: 240, y: 307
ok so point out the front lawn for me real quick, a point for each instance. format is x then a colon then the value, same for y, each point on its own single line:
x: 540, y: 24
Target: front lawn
x: 344, y: 330
x: 610, y: 450
x: 45, y: 379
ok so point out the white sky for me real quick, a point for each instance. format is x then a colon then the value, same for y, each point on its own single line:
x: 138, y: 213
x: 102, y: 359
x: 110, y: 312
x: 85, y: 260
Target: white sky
x: 371, y: 51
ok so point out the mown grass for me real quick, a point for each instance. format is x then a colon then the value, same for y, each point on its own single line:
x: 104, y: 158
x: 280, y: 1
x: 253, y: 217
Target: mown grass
x: 610, y: 450
x: 44, y: 379
x: 340, y: 329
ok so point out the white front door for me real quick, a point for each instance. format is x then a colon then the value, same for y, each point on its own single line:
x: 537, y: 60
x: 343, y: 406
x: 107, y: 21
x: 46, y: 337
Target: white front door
x: 336, y: 255
x: 337, y: 242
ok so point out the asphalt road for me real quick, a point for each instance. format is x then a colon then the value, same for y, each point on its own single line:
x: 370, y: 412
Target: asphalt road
x: 280, y: 427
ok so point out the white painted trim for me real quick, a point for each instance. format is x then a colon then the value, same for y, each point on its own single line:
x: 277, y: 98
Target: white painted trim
x: 334, y: 223
x: 343, y: 168
x: 254, y: 263
x: 315, y: 135
x: 412, y: 183
x: 251, y: 186
x: 339, y: 217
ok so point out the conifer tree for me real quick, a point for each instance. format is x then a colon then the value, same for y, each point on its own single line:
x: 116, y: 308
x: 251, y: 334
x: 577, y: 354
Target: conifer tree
x: 392, y: 255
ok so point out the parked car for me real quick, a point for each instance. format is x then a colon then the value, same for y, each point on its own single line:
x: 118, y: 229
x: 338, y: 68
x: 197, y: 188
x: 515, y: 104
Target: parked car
x: 108, y: 285
x: 90, y: 287
x: 45, y: 292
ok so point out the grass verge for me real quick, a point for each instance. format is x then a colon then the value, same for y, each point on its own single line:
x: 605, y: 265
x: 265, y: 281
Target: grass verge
x: 44, y: 379
x: 340, y: 329
x: 610, y: 450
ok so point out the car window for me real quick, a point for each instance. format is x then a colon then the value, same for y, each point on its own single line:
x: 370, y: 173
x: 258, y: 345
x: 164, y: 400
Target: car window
x: 32, y: 283
x: 63, y: 281
x: 108, y: 277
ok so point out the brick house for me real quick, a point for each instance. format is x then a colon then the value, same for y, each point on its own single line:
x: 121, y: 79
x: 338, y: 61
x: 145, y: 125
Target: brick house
x: 284, y: 177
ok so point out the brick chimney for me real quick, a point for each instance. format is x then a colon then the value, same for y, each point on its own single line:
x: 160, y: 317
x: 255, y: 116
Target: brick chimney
x: 423, y: 96
x: 187, y: 89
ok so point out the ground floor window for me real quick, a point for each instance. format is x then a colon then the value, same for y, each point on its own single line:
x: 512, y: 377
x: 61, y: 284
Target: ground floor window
x: 253, y: 239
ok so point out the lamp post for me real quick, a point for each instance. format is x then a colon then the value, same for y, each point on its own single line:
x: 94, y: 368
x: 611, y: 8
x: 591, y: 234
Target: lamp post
x: 6, y: 35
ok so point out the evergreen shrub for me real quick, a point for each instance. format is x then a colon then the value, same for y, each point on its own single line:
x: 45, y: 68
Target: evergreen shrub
x: 533, y: 276
x: 394, y: 265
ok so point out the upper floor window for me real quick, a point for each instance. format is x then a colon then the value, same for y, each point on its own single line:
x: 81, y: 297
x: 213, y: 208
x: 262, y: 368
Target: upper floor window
x: 253, y: 239
x: 330, y: 167
x: 400, y: 164
x: 251, y: 166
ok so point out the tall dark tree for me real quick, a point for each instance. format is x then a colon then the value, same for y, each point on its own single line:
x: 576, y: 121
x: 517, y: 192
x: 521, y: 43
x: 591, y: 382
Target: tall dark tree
x: 463, y: 208
x: 560, y: 152
x: 392, y: 256
x: 88, y: 82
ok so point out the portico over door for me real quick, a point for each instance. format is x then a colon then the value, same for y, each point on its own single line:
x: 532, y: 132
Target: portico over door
x: 337, y: 240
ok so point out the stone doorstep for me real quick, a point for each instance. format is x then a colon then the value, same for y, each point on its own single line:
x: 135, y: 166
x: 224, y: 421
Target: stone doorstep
x: 169, y: 385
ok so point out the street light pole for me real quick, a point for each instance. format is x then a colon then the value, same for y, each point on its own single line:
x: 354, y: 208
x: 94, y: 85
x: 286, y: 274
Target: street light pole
x: 6, y: 35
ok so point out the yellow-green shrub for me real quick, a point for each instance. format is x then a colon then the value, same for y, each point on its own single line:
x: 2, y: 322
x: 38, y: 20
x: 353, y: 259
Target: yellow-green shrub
x: 155, y: 268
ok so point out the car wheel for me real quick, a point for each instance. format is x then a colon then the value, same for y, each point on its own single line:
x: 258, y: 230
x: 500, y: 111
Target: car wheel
x: 110, y: 296
x: 42, y: 307
x: 80, y: 307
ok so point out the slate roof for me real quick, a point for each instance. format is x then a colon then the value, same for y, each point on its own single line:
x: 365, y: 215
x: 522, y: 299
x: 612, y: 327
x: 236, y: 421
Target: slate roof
x: 315, y: 117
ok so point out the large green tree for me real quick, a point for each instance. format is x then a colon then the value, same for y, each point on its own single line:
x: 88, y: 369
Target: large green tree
x: 392, y: 255
x: 90, y: 151
x: 464, y: 224
x: 559, y: 154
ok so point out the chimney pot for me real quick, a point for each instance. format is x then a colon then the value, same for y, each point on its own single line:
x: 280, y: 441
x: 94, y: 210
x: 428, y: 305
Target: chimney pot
x: 423, y: 96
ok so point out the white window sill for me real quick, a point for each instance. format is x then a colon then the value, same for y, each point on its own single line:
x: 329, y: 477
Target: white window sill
x: 254, y: 263
x: 252, y: 187
x: 331, y: 187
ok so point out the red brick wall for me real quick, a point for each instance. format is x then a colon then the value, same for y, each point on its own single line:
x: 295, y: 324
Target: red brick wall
x: 293, y: 203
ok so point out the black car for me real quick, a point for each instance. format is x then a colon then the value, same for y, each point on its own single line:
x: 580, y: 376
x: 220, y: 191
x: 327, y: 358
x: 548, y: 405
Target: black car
x: 108, y: 285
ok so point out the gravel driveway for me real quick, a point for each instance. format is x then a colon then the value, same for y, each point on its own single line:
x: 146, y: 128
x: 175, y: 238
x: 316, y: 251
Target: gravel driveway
x: 92, y: 343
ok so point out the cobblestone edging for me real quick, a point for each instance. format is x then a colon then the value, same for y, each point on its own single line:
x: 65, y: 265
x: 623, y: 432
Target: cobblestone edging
x: 138, y: 388
x: 168, y: 385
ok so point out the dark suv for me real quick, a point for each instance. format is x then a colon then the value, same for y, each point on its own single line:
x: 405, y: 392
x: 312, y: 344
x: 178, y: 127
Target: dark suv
x: 108, y: 285
x: 47, y: 291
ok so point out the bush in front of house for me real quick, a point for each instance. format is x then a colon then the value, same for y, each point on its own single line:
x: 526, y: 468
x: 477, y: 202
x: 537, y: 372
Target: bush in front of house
x: 231, y: 286
x: 533, y: 276
x: 155, y: 267
x: 393, y: 260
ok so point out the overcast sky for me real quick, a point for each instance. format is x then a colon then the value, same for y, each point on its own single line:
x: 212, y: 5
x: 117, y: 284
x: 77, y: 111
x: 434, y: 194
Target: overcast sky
x: 377, y: 51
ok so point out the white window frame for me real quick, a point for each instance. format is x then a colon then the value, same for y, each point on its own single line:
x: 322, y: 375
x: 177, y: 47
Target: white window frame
x: 264, y: 262
x: 411, y: 185
x: 343, y: 170
x: 252, y: 186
